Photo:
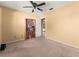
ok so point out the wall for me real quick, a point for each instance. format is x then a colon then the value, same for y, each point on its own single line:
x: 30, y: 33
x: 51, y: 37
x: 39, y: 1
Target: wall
x: 38, y: 27
x: 63, y: 24
x: 13, y: 25
x: 0, y: 26
x: 39, y: 16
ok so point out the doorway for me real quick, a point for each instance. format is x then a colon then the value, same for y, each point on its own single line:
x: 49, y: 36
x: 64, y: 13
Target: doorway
x: 30, y: 28
x: 43, y: 27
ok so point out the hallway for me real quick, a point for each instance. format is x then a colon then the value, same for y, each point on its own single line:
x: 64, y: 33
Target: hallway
x: 39, y: 47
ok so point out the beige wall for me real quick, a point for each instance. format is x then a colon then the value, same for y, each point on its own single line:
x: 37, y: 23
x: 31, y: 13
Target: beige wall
x: 0, y: 26
x: 13, y: 25
x: 63, y: 24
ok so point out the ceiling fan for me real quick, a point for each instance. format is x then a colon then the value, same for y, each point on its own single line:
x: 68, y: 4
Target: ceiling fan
x: 35, y: 6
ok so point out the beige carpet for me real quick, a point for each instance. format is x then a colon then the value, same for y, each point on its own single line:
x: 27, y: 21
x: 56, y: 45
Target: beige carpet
x: 39, y: 47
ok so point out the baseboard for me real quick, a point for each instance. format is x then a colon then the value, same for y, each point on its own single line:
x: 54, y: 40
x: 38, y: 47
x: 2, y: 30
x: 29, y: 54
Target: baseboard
x: 14, y: 41
x: 66, y: 44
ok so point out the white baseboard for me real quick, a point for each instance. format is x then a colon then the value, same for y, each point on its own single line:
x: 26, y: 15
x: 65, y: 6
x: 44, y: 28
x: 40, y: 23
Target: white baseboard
x: 14, y: 41
x: 66, y: 44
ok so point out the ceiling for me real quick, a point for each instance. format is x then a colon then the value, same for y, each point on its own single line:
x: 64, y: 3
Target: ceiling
x: 18, y: 5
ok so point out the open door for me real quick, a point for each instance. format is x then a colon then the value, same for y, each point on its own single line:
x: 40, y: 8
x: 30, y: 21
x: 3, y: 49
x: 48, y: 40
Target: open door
x: 30, y: 28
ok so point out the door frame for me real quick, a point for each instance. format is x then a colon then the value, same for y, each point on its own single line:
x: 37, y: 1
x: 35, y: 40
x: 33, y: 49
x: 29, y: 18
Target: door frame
x: 42, y: 20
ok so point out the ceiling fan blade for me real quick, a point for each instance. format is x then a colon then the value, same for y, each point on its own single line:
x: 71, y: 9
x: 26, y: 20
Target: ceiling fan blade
x: 39, y: 9
x: 32, y: 10
x: 27, y: 7
x: 32, y: 3
x: 41, y: 4
x: 50, y: 8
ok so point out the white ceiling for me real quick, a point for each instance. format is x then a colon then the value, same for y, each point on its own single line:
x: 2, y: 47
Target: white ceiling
x: 18, y: 5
